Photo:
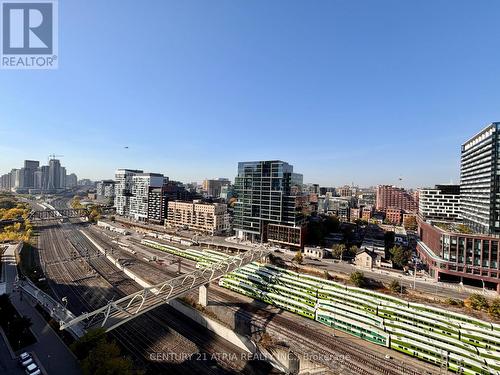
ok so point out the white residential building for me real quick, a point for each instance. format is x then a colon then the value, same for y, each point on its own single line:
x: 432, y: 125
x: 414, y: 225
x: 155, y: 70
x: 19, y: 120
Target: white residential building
x: 140, y: 189
x: 441, y: 203
x: 123, y: 190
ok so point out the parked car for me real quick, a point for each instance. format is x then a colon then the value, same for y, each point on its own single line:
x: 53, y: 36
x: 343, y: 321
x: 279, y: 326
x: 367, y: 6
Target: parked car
x: 32, y: 369
x: 27, y: 362
x: 23, y: 357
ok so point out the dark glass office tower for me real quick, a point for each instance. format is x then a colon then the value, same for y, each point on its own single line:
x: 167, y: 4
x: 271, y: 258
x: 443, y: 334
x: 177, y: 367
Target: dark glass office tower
x: 264, y: 191
x: 480, y: 181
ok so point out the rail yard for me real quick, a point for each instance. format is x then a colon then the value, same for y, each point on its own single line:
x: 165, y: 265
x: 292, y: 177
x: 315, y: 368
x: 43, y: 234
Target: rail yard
x: 77, y: 270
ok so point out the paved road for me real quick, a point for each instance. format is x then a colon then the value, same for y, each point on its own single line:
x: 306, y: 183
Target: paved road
x: 54, y: 355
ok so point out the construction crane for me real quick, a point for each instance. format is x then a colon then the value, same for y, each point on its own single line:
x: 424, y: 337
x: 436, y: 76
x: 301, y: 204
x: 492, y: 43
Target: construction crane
x: 53, y: 156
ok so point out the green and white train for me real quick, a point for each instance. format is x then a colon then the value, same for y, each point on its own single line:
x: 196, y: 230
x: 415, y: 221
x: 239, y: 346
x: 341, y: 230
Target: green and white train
x: 460, y: 343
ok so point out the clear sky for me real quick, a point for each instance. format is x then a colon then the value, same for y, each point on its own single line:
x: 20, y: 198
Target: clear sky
x: 346, y: 91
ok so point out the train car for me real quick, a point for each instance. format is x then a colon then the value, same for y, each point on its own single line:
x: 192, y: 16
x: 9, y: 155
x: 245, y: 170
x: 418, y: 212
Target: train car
x: 293, y: 294
x: 239, y: 287
x: 354, y: 312
x: 383, y: 298
x: 452, y: 315
x: 297, y: 285
x: 467, y: 366
x: 489, y: 354
x: 485, y: 331
x: 440, y: 346
x: 479, y: 339
x: 418, y: 350
x: 333, y: 295
x: 352, y: 327
x: 390, y: 313
x: 290, y: 305
x: 493, y: 364
x: 252, y: 278
x: 216, y: 253
x: 308, y: 283
x: 430, y: 332
x: 267, y: 275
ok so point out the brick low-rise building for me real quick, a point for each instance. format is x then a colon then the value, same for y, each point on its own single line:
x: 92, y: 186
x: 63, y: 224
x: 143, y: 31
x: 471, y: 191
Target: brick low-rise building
x: 285, y: 235
x: 459, y: 256
x: 394, y: 215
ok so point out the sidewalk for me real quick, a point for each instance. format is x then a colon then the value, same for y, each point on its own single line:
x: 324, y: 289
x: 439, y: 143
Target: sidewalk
x: 54, y: 355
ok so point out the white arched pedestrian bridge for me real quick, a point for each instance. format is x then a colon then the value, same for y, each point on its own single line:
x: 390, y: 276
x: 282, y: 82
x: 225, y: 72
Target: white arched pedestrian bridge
x: 118, y: 312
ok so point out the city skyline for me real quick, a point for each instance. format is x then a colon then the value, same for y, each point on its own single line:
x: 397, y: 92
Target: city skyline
x: 215, y: 90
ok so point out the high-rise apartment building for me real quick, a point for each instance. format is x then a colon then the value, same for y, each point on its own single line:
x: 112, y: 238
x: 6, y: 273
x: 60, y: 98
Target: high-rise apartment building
x: 265, y: 199
x: 441, y: 203
x: 123, y: 190
x: 480, y: 181
x: 71, y: 180
x: 213, y: 188
x: 395, y: 197
x: 30, y: 166
x: 105, y: 189
x: 141, y: 182
x: 54, y: 174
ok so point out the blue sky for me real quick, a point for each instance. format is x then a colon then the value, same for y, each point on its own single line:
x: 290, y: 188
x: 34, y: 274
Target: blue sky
x: 346, y: 91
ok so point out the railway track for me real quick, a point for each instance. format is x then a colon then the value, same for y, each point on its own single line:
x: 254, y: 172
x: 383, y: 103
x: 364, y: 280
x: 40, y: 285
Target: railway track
x: 137, y: 334
x: 363, y: 362
x: 319, y: 344
x: 313, y: 341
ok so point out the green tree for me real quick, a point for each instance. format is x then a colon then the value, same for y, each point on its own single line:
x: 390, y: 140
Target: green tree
x: 99, y: 356
x: 94, y: 215
x: 477, y: 302
x: 331, y: 224
x: 7, y: 203
x: 353, y: 250
x: 84, y: 344
x: 357, y: 278
x: 75, y: 203
x: 410, y: 223
x: 314, y: 234
x: 298, y: 258
x: 389, y: 238
x: 338, y: 250
x: 105, y: 359
x: 494, y: 309
x: 360, y: 222
x: 454, y: 302
x: 399, y: 256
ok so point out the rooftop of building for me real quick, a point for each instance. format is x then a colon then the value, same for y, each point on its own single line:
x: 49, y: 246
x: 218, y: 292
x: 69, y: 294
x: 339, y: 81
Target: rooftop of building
x: 455, y: 228
x: 496, y: 125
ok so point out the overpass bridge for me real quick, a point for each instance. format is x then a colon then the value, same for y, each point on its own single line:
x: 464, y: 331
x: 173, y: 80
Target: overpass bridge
x: 118, y: 312
x: 66, y: 213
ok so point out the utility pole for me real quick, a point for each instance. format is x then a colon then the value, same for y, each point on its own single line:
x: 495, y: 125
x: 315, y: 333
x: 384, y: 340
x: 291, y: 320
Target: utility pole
x: 415, y: 274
